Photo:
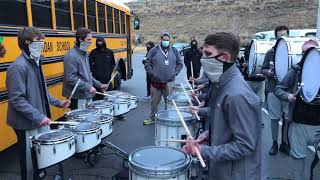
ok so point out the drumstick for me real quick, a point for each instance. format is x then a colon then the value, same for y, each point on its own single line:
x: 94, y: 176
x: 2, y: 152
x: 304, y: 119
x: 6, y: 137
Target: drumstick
x: 185, y: 92
x: 103, y: 94
x: 299, y: 89
x: 192, y: 73
x: 174, y: 140
x: 64, y: 123
x: 74, y: 90
x: 188, y: 133
x: 113, y: 76
x: 196, y: 97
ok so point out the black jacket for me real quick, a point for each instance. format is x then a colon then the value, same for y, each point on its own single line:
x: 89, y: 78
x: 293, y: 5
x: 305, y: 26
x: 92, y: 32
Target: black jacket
x: 102, y: 63
x: 193, y: 55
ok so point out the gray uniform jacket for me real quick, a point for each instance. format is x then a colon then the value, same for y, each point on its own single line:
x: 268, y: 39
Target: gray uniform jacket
x: 288, y: 85
x: 156, y: 64
x: 76, y: 66
x: 271, y: 81
x: 234, y: 134
x: 26, y: 108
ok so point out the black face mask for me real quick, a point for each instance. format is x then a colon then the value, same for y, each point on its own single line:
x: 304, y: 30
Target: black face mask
x: 99, y: 44
x: 194, y: 46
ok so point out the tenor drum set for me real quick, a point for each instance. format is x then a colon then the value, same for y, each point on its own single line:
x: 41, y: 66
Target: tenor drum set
x: 84, y: 131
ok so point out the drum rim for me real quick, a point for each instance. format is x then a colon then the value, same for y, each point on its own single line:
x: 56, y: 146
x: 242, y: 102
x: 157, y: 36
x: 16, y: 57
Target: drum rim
x: 316, y: 100
x: 168, y: 121
x: 100, y: 106
x: 89, y: 131
x: 62, y: 140
x: 120, y: 101
x: 274, y: 56
x: 95, y: 111
x: 168, y: 172
x: 103, y: 119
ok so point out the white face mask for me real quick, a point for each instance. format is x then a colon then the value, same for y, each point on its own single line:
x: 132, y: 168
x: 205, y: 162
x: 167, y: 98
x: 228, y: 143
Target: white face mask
x: 84, y: 45
x: 212, y: 67
x: 35, y: 49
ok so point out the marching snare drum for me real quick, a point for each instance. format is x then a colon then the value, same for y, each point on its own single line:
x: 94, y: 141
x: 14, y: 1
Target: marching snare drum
x: 81, y: 113
x: 120, y: 106
x: 180, y: 99
x: 105, y: 122
x: 178, y: 89
x: 258, y: 50
x: 53, y: 146
x: 103, y: 106
x: 168, y: 126
x: 88, y: 135
x: 155, y: 163
x: 310, y: 73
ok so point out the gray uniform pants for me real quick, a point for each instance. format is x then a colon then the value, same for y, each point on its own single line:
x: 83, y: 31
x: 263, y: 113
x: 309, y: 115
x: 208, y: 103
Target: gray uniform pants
x: 25, y: 145
x: 156, y: 95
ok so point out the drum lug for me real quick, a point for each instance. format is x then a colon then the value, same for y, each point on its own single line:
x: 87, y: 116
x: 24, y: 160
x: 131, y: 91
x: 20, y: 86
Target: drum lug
x: 54, y: 149
x: 38, y: 149
x: 129, y: 104
x: 83, y: 138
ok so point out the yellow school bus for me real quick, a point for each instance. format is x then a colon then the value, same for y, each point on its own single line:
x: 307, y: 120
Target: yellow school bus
x: 58, y: 20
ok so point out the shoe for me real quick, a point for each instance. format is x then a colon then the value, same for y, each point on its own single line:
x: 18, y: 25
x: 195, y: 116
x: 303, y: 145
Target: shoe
x: 148, y: 121
x: 284, y: 148
x: 274, y: 149
x: 147, y: 98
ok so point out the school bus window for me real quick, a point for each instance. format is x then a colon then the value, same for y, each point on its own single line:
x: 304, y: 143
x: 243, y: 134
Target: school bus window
x: 128, y: 24
x: 116, y: 21
x: 78, y: 13
x: 16, y: 10
x: 41, y: 13
x: 110, y: 19
x: 102, y: 21
x: 123, y: 23
x: 63, y: 14
x: 91, y: 15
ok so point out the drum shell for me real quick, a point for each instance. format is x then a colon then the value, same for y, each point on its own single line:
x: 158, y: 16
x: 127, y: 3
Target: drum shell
x: 133, y: 102
x: 177, y: 89
x: 183, y: 105
x: 51, y: 153
x: 121, y: 107
x: 87, y: 140
x: 138, y: 172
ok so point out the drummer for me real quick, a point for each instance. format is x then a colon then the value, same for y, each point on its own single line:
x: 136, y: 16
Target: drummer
x: 235, y: 115
x: 276, y: 106
x: 29, y: 100
x: 76, y: 66
x: 304, y: 118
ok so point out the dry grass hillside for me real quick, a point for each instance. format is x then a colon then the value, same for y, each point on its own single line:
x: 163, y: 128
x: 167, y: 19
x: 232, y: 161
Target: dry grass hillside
x: 187, y: 18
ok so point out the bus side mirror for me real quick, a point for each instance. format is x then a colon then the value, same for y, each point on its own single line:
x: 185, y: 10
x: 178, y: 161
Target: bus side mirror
x: 136, y: 23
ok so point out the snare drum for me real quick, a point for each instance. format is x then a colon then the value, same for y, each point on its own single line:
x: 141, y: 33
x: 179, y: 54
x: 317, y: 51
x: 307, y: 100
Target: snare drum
x: 81, y: 113
x: 155, y: 163
x: 168, y: 126
x: 180, y: 99
x: 88, y: 135
x: 123, y: 95
x: 53, y: 146
x: 103, y: 106
x: 105, y: 121
x: 178, y: 89
x: 133, y: 102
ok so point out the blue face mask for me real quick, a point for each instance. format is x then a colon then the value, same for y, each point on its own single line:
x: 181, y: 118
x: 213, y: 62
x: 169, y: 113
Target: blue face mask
x: 165, y: 43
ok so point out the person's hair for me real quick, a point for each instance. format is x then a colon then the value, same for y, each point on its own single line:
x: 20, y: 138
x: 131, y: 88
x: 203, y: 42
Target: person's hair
x: 81, y: 34
x: 226, y: 42
x: 28, y: 33
x: 2, y: 50
x: 150, y: 43
x: 280, y: 28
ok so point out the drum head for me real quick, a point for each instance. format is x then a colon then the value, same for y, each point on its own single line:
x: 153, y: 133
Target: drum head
x: 117, y: 93
x: 178, y: 98
x: 310, y: 74
x: 251, y: 59
x: 179, y: 87
x: 99, y: 118
x: 159, y: 160
x: 86, y: 126
x: 281, y: 59
x: 172, y: 117
x: 100, y: 104
x: 80, y: 113
x: 53, y: 136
